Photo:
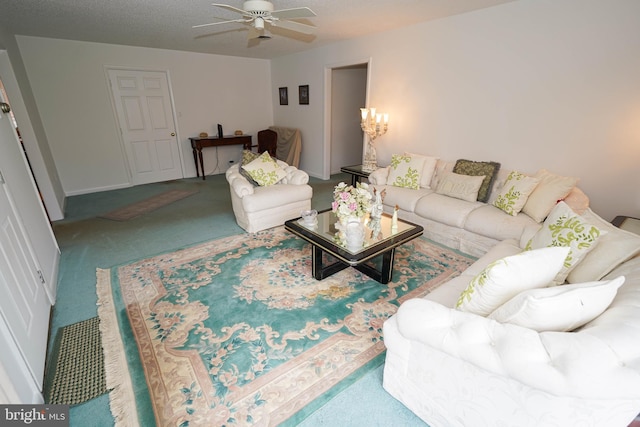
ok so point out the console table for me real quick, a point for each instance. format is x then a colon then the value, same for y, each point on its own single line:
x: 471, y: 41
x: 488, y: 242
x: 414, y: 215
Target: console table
x: 197, y: 144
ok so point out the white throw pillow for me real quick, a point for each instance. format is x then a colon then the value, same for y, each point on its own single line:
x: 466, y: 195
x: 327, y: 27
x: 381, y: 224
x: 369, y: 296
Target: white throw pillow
x: 515, y: 192
x: 547, y: 193
x: 463, y: 187
x: 559, y: 308
x: 405, y: 171
x: 264, y: 170
x: 564, y: 227
x: 427, y: 170
x: 613, y: 248
x: 507, y: 277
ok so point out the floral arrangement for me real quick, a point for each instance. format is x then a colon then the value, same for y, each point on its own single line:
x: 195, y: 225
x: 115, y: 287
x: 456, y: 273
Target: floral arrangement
x: 351, y: 201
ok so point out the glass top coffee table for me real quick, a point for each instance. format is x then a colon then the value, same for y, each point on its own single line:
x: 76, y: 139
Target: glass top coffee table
x: 380, y: 240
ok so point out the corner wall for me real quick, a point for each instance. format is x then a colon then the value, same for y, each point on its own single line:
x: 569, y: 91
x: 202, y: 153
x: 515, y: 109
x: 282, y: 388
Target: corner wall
x: 531, y: 84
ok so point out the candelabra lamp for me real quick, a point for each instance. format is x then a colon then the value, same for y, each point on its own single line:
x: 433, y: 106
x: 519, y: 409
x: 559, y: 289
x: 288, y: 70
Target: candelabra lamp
x: 374, y: 125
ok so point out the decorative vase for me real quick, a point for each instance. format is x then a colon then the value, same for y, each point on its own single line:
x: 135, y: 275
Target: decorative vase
x: 354, y: 234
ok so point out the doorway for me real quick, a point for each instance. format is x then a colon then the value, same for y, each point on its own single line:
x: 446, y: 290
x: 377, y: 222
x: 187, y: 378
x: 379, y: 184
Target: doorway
x: 348, y: 93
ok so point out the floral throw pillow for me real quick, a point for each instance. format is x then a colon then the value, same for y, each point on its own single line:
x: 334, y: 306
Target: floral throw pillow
x: 515, y: 192
x: 488, y: 169
x: 405, y: 171
x: 563, y: 227
x: 248, y: 157
x: 507, y: 277
x: 264, y: 170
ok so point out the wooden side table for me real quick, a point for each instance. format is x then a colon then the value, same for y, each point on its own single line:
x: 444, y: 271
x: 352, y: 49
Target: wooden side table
x: 197, y: 144
x: 627, y: 223
x: 356, y: 173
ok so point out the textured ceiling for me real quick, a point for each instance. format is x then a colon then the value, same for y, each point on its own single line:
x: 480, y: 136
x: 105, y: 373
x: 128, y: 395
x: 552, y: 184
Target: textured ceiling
x: 167, y: 24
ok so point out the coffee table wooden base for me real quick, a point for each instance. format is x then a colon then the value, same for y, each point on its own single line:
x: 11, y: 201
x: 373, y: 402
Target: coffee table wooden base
x: 321, y: 271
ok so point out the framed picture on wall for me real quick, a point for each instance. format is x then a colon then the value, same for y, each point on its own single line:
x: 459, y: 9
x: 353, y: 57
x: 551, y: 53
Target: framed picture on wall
x: 303, y: 94
x: 284, y: 96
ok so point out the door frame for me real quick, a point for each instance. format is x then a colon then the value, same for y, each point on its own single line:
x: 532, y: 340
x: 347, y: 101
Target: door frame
x: 123, y: 150
x: 328, y: 69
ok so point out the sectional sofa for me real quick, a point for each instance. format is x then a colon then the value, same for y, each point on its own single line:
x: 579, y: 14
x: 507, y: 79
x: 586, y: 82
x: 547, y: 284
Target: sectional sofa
x: 542, y: 330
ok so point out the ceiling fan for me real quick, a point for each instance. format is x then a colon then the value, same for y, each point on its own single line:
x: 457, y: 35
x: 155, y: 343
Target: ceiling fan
x: 260, y: 15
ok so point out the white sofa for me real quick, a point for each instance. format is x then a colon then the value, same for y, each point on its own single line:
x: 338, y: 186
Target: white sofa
x: 455, y: 368
x: 472, y: 227
x: 258, y: 208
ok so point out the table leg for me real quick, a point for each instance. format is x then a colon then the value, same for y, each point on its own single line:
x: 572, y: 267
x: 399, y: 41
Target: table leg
x: 195, y: 160
x: 387, y: 266
x: 318, y: 270
x: 201, y: 163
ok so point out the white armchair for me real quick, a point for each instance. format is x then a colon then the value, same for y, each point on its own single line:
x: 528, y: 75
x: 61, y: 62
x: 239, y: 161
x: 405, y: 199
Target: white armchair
x: 258, y: 208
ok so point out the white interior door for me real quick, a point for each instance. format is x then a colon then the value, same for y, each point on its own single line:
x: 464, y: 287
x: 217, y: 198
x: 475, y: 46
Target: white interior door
x: 145, y: 115
x: 24, y: 304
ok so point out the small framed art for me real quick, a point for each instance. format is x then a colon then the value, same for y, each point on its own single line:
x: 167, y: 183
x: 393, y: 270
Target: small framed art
x: 284, y: 96
x: 303, y: 95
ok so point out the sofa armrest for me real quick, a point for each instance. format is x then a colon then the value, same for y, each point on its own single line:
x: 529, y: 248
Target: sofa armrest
x: 295, y: 176
x: 561, y: 363
x: 238, y: 183
x: 379, y: 176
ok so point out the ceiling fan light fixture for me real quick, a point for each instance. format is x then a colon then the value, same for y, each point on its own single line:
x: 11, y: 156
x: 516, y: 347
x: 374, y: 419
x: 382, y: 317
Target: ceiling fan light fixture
x: 265, y: 35
x: 258, y: 24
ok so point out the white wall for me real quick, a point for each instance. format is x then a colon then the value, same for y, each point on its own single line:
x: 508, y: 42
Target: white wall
x: 26, y: 113
x: 531, y: 84
x: 70, y: 87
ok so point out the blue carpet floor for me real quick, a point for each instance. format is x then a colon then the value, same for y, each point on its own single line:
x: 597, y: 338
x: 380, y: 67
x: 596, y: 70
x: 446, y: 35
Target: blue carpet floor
x: 88, y: 242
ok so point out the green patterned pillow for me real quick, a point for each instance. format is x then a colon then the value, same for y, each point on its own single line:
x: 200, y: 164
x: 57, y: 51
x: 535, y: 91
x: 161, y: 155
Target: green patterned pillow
x: 563, y: 227
x: 248, y: 157
x: 405, y: 171
x: 488, y: 169
x: 264, y: 170
x: 507, y: 277
x: 515, y: 192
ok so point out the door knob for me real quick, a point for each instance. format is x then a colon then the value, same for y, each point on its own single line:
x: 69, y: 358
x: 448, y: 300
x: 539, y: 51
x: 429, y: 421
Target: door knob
x: 173, y: 134
x: 5, y: 107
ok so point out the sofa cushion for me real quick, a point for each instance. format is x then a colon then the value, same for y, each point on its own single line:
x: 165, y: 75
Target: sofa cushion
x: 559, y: 308
x: 276, y: 195
x: 427, y: 170
x: 405, y: 171
x: 487, y: 169
x: 547, y: 193
x: 264, y: 170
x: 613, y: 248
x: 507, y: 277
x: 490, y: 221
x: 405, y: 198
x: 463, y: 187
x: 515, y: 192
x: 444, y: 209
x: 563, y: 227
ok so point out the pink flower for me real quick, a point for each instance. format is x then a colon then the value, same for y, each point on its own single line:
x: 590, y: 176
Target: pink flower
x: 344, y: 195
x: 353, y: 206
x: 334, y: 206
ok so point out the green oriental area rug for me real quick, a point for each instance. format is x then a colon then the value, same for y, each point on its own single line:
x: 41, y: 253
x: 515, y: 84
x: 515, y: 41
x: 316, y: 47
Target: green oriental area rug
x: 237, y: 331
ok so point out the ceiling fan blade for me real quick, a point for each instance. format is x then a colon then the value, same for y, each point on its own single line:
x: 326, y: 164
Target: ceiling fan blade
x: 218, y: 23
x: 295, y: 13
x: 294, y: 26
x: 231, y: 8
x: 253, y: 33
